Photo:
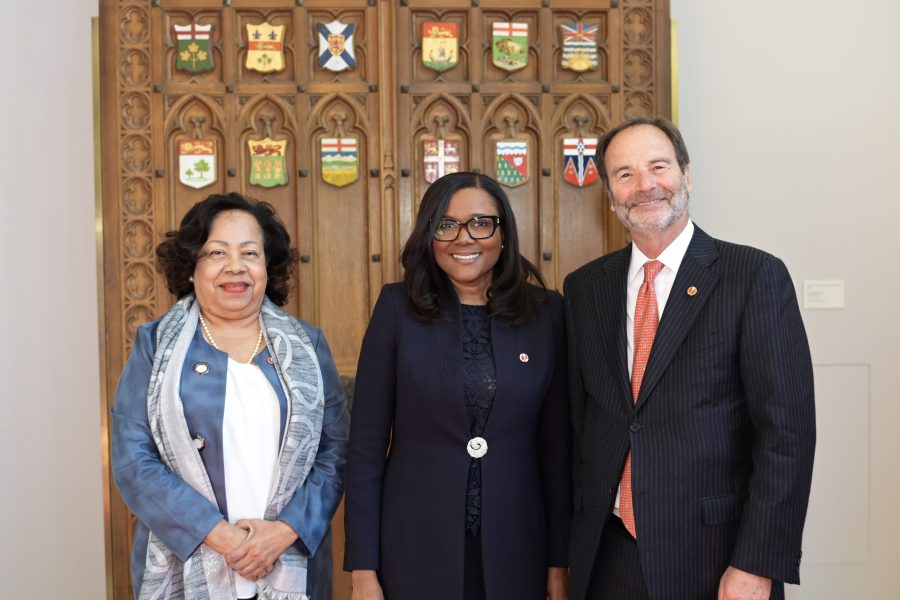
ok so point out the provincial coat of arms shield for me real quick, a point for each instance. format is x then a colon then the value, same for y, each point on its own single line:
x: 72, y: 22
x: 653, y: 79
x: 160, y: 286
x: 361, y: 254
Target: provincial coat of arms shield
x: 197, y: 163
x: 440, y: 46
x: 265, y: 48
x: 580, y: 163
x: 194, y: 54
x: 340, y: 163
x: 579, y: 47
x: 510, y: 45
x: 336, y: 51
x: 440, y: 157
x: 268, y: 165
x: 512, y: 162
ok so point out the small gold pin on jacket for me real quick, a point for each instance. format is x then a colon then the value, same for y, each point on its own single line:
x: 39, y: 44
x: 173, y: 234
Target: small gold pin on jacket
x: 692, y: 291
x: 523, y: 357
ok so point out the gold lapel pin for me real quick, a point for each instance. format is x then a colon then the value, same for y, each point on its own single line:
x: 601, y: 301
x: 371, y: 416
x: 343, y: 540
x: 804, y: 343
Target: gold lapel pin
x: 523, y: 357
x: 692, y: 291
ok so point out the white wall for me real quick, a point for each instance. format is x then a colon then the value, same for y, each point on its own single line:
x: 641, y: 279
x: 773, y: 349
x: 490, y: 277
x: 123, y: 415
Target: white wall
x: 790, y: 112
x: 51, y: 512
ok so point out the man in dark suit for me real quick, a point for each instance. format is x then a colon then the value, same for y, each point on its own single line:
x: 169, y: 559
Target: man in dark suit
x: 692, y: 398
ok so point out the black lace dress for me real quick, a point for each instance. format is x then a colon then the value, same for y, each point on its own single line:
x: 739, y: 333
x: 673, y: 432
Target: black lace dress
x: 480, y: 384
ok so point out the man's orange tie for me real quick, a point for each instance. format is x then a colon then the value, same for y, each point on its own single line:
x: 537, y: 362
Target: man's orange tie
x: 646, y: 319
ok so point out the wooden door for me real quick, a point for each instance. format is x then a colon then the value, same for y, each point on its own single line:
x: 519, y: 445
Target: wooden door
x: 478, y: 104
x: 349, y: 237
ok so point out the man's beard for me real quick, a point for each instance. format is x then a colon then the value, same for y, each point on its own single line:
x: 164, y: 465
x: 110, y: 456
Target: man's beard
x: 658, y: 221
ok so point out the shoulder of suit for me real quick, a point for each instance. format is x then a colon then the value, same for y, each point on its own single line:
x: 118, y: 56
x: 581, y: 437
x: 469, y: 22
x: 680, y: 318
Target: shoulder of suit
x: 742, y: 256
x: 544, y: 294
x: 588, y: 270
x: 146, y: 335
x: 312, y: 331
x: 149, y: 328
x: 548, y: 300
x: 395, y: 291
x: 393, y: 288
x: 395, y: 296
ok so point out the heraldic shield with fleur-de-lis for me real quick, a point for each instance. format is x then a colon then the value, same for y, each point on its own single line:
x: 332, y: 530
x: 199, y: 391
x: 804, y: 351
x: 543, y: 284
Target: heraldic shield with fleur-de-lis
x: 265, y: 48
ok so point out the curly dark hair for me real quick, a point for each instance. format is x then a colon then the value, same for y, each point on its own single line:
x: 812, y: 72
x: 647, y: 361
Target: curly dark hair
x: 176, y: 256
x: 509, y: 294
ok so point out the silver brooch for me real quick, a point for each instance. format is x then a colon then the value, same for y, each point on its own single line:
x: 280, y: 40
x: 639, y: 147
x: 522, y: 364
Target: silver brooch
x: 477, y: 447
x: 199, y: 442
x: 201, y: 368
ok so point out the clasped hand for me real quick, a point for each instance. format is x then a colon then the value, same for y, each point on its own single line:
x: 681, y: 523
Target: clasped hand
x: 259, y: 544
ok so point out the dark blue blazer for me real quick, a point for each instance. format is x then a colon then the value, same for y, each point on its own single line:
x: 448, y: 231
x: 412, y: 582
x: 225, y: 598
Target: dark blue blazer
x: 723, y: 431
x: 408, y: 467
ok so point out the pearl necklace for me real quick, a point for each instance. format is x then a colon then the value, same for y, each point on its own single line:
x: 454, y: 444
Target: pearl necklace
x: 212, y: 340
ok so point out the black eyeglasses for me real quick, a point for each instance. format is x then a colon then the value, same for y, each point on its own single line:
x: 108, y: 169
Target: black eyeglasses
x: 479, y: 228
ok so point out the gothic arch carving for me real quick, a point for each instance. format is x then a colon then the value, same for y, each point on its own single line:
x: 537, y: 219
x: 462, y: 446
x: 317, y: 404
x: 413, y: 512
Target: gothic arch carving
x: 581, y: 105
x: 285, y: 119
x: 518, y: 103
x: 318, y: 119
x: 181, y: 111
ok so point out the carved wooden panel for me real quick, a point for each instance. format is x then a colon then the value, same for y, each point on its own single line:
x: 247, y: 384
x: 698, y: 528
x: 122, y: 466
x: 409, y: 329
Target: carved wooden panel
x: 476, y: 104
x: 391, y: 105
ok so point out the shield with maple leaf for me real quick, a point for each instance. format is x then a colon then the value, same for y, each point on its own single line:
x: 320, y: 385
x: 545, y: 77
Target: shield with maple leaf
x: 194, y: 54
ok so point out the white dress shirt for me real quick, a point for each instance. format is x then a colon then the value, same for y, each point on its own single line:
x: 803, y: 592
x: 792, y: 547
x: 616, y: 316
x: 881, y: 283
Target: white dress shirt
x: 671, y: 259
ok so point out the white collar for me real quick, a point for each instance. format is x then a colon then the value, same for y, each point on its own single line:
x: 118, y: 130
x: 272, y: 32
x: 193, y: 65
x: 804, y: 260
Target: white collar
x: 671, y: 257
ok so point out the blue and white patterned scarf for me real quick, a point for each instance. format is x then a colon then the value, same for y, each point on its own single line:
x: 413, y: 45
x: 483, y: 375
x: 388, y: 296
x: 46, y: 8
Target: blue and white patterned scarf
x: 205, y: 575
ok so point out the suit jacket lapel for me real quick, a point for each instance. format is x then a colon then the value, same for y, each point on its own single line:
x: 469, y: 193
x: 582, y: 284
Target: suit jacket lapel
x: 681, y: 308
x: 610, y: 293
x: 506, y: 342
x: 449, y: 347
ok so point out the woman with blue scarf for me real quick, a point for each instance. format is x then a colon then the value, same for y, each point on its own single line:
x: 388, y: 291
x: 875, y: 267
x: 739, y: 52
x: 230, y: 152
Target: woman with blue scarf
x: 229, y: 428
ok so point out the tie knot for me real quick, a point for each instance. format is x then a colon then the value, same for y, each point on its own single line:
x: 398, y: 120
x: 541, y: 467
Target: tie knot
x: 651, y: 268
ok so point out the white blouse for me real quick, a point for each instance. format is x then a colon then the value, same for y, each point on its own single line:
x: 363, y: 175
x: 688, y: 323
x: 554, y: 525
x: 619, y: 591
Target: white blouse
x: 250, y: 443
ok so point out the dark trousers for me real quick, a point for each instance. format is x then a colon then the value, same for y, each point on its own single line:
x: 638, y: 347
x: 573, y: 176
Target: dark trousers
x: 473, y: 573
x: 617, y: 568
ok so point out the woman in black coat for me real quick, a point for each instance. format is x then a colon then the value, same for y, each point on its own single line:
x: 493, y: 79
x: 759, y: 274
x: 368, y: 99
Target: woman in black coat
x: 458, y: 478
